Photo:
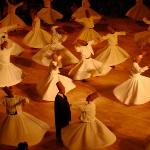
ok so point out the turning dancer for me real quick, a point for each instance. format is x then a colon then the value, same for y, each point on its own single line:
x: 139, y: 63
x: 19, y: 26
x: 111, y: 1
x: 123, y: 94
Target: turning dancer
x: 88, y: 133
x: 136, y: 89
x: 47, y: 88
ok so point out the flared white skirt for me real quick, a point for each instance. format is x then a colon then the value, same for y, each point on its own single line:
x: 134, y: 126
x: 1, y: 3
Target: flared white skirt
x: 87, y: 136
x: 47, y: 87
x: 134, y: 91
x: 12, y: 19
x: 22, y: 128
x: 9, y: 75
x: 88, y: 68
x: 80, y: 13
x: 113, y: 55
x: 89, y: 34
x: 17, y: 49
x: 49, y: 15
x: 37, y: 38
x: 43, y: 57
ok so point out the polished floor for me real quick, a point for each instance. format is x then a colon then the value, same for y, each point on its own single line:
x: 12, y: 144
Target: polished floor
x: 131, y: 124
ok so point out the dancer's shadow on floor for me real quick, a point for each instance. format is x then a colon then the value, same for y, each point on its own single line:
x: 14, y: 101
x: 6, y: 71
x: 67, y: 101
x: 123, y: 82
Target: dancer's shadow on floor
x: 22, y: 61
x: 50, y: 142
x: 68, y: 29
x: 106, y: 91
x: 101, y: 27
x: 5, y: 147
x: 30, y: 91
x: 147, y: 143
x: 131, y: 143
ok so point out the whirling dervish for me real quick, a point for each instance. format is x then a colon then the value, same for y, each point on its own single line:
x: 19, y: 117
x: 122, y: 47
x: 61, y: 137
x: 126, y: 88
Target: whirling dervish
x: 48, y: 14
x: 37, y: 37
x: 139, y: 11
x: 136, y: 89
x: 16, y: 49
x: 81, y: 12
x: 43, y: 57
x: 113, y: 54
x: 9, y: 74
x: 18, y: 126
x: 88, y: 33
x: 143, y: 38
x: 87, y: 66
x: 12, y: 18
x: 88, y: 133
x: 47, y: 88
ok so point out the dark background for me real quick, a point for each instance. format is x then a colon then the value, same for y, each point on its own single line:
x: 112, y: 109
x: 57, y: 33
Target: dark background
x: 114, y: 8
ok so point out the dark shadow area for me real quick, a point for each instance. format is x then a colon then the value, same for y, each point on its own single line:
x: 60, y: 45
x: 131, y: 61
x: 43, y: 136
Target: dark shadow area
x: 18, y: 32
x: 101, y: 27
x: 68, y: 29
x: 147, y: 143
x: 30, y: 91
x: 27, y: 62
x: 7, y: 147
x: 131, y: 143
x: 50, y: 143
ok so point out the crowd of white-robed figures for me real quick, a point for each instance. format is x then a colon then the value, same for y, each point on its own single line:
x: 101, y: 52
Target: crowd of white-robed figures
x: 55, y: 55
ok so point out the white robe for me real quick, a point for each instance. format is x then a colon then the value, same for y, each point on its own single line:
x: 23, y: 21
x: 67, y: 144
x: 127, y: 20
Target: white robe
x: 113, y: 54
x: 89, y: 133
x: 9, y: 74
x: 139, y: 11
x: 136, y: 89
x: 88, y: 33
x: 37, y: 37
x: 43, y: 57
x: 12, y: 18
x: 80, y: 12
x: 17, y: 126
x: 47, y: 87
x: 87, y: 67
x: 47, y: 14
x: 16, y: 49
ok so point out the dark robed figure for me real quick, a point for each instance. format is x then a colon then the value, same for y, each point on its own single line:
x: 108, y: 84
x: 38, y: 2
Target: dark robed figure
x: 62, y: 111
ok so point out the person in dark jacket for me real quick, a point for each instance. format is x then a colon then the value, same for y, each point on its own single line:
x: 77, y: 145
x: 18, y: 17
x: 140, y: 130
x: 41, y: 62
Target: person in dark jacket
x: 62, y: 111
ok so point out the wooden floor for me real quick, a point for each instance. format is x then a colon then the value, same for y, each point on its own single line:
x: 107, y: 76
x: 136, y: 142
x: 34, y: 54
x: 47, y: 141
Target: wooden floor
x: 131, y: 124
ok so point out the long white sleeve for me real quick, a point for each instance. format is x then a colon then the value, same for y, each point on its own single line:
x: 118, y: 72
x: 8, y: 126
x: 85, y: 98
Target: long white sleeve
x: 18, y: 5
x: 140, y: 69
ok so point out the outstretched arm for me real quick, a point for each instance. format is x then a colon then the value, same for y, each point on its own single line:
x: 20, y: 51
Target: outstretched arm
x: 18, y: 5
x: 23, y: 100
x: 64, y: 38
x: 140, y: 69
x: 146, y: 21
x: 77, y: 49
x: 79, y: 20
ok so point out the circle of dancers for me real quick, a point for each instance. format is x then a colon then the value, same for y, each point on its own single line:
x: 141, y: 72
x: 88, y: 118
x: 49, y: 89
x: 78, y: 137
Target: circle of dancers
x: 88, y: 131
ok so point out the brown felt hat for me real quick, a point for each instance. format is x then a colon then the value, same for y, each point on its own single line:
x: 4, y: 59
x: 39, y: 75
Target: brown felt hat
x: 60, y: 85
